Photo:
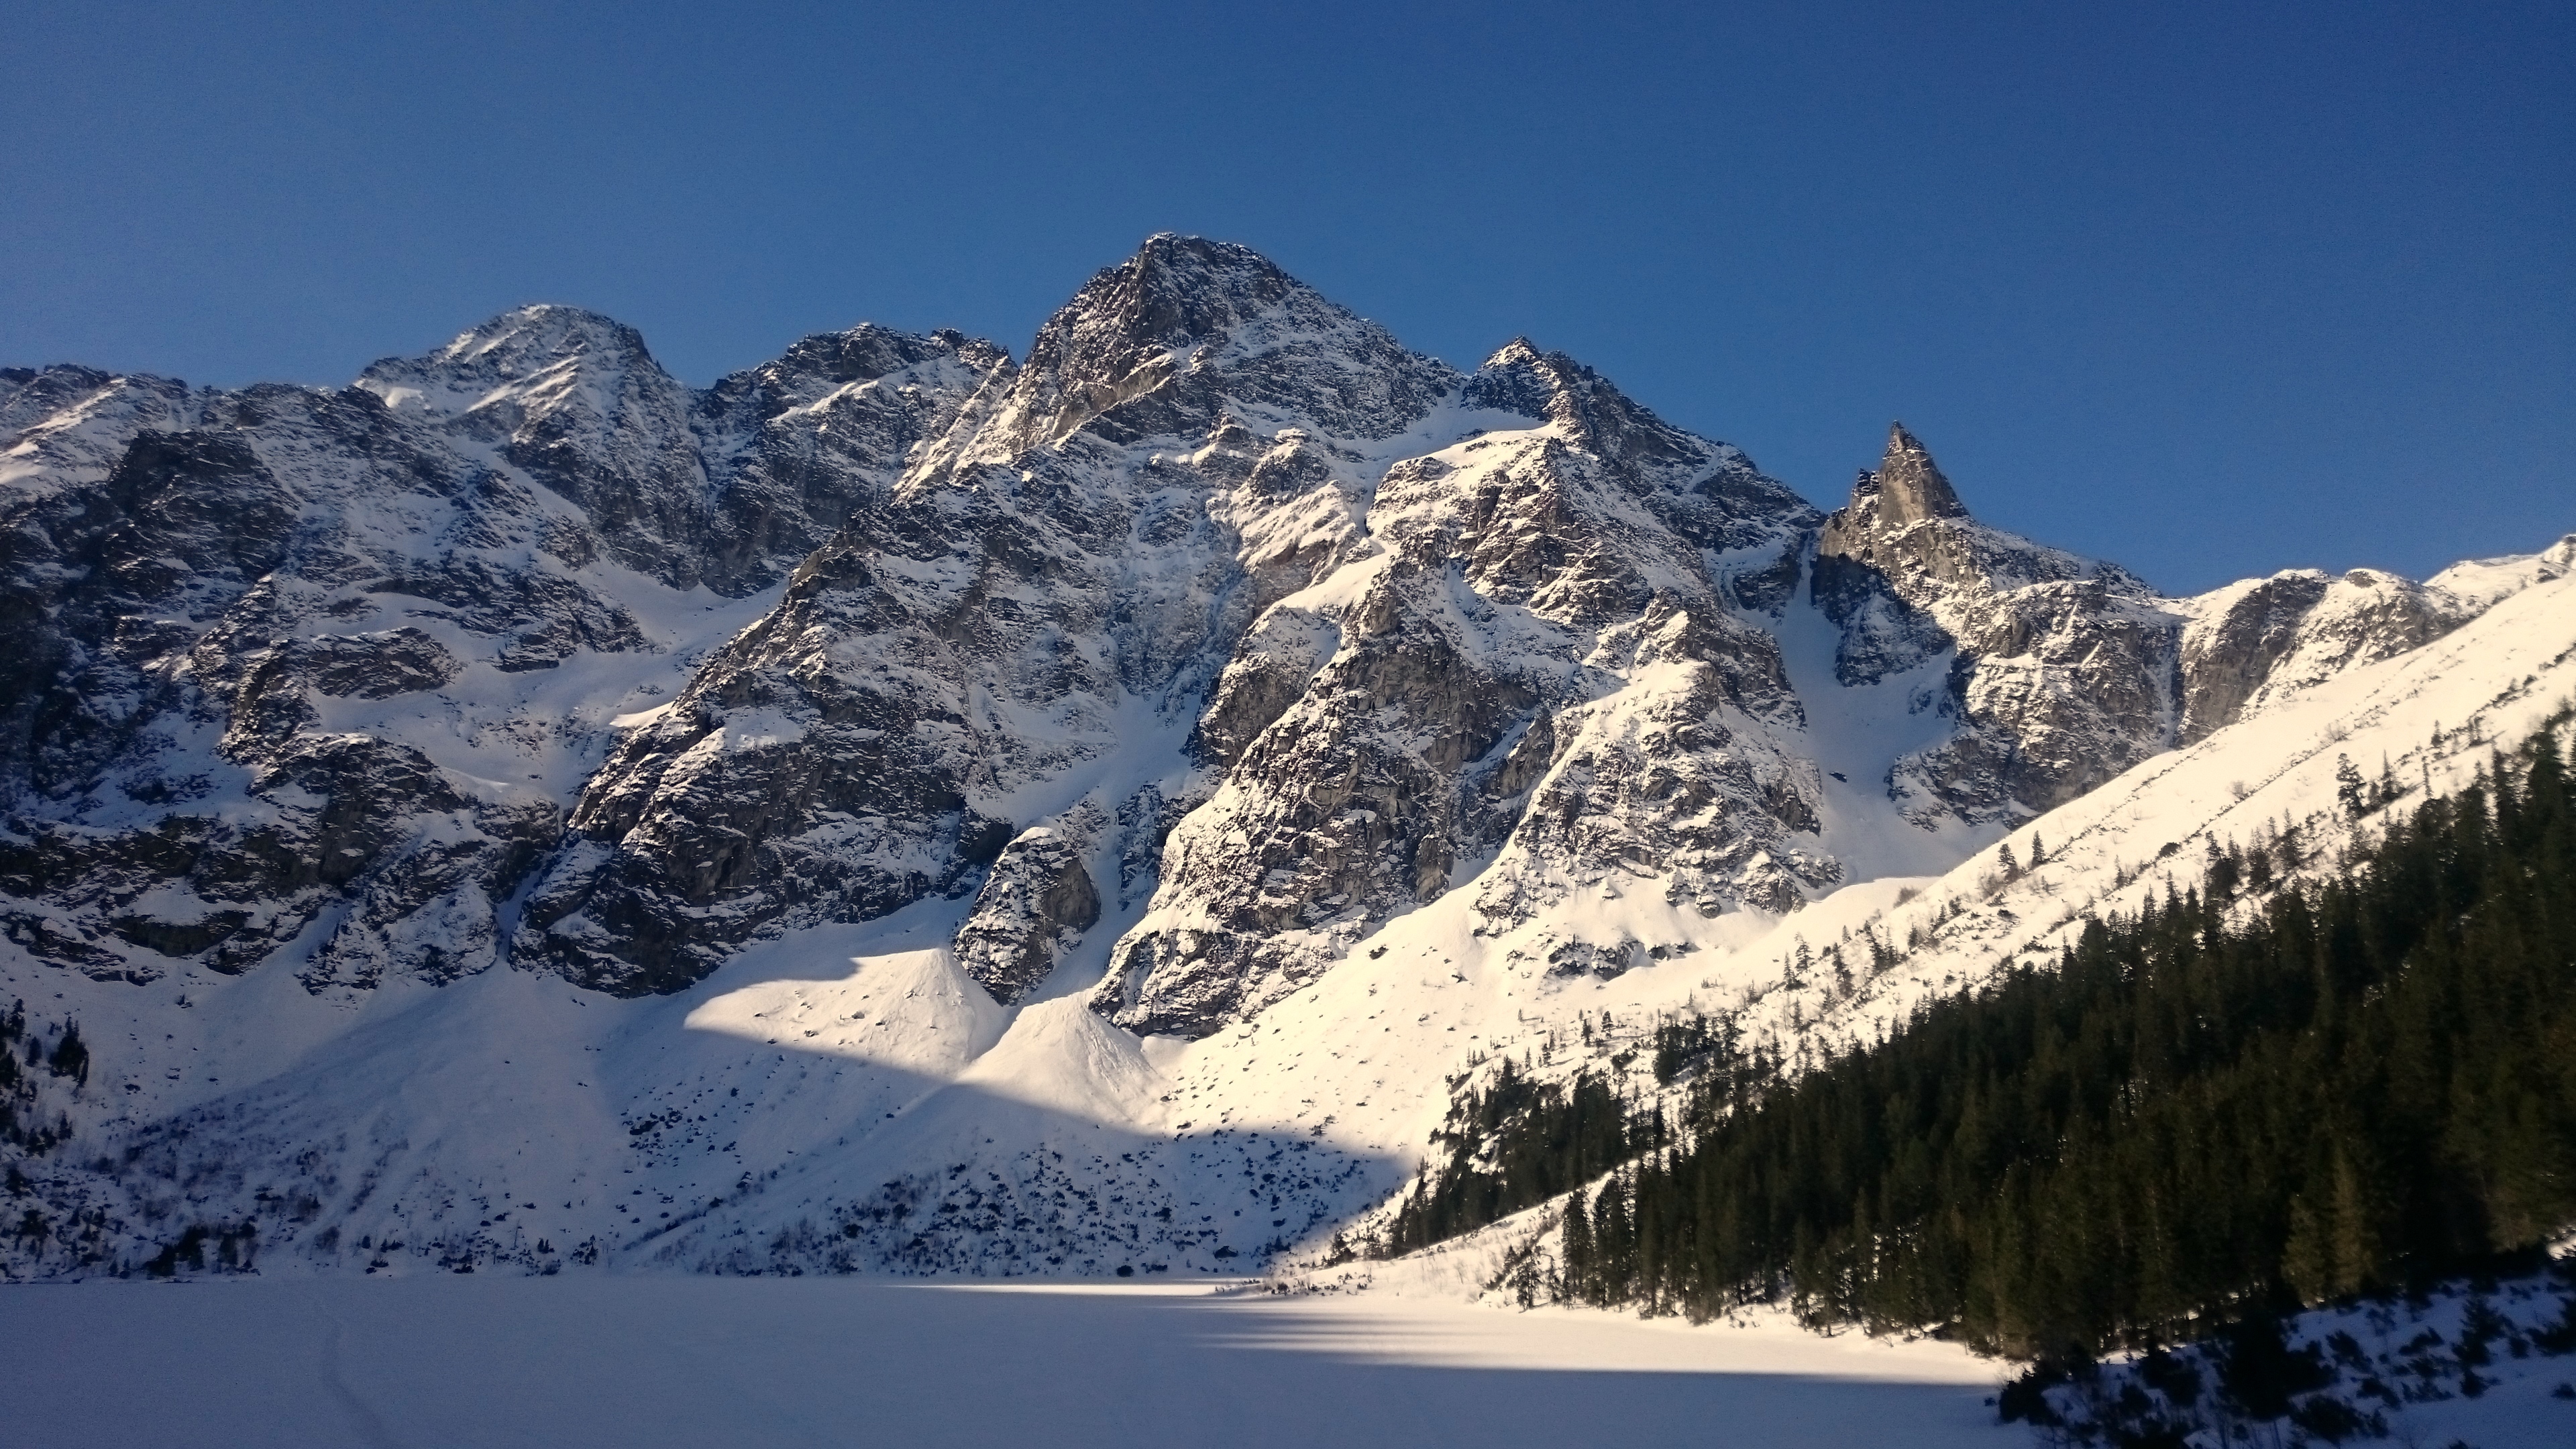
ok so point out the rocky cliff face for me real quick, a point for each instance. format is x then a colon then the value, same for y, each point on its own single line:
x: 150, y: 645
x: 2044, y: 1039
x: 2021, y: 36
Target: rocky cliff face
x: 2062, y: 671
x: 2060, y: 668
x: 2250, y: 645
x: 2254, y: 645
x: 1056, y: 580
x: 1453, y: 686
x: 1222, y: 618
x: 315, y: 673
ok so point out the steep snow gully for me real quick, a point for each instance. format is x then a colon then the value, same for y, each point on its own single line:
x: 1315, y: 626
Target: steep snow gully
x: 909, y: 810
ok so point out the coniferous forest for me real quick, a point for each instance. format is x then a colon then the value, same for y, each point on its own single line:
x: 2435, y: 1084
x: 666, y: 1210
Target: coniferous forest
x: 2252, y: 1094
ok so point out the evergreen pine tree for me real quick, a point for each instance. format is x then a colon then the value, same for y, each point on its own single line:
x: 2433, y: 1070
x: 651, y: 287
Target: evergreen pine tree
x: 1576, y: 1249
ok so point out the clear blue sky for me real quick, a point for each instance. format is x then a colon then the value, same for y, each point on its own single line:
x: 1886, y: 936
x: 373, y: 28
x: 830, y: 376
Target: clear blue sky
x: 2208, y: 289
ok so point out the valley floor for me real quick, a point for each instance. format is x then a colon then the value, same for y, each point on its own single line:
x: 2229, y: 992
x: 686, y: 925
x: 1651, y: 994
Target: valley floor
x: 620, y: 1361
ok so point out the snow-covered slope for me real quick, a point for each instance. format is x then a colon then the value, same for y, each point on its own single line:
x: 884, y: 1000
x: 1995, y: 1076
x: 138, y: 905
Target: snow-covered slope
x: 2428, y: 718
x: 904, y: 810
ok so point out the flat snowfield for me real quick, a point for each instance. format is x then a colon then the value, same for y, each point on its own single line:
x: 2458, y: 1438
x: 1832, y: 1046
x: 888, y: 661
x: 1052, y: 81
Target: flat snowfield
x: 756, y: 1362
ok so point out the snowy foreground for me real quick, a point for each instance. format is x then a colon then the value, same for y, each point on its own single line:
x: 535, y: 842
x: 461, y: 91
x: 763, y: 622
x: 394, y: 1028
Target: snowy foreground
x: 644, y: 1361
x: 701, y: 1361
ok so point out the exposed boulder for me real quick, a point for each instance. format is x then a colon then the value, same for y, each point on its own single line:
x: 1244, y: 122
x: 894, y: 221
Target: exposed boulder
x: 1037, y: 900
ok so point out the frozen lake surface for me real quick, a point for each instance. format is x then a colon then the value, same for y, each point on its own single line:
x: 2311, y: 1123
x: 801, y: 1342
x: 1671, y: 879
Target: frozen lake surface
x: 757, y: 1362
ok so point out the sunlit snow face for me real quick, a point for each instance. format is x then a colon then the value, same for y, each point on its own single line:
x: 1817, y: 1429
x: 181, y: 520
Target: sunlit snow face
x: 912, y: 1010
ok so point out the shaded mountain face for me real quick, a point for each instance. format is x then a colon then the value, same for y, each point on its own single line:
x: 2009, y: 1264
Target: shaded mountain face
x: 1187, y: 653
x: 2060, y: 670
x: 313, y: 674
x: 2064, y: 672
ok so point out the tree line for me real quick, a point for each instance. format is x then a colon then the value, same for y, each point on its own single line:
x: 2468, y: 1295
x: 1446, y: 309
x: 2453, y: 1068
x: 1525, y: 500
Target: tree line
x: 22, y: 1123
x: 2247, y: 1096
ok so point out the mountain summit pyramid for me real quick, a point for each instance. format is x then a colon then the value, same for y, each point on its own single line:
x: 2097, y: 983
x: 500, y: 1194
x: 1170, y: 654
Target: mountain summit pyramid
x: 1910, y: 486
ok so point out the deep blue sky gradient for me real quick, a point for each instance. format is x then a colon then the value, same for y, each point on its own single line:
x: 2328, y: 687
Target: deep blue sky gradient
x: 2208, y: 289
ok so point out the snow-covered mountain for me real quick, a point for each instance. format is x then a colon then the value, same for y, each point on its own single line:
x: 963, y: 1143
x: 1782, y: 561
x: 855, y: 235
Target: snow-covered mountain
x: 310, y: 676
x: 1850, y: 968
x: 903, y: 808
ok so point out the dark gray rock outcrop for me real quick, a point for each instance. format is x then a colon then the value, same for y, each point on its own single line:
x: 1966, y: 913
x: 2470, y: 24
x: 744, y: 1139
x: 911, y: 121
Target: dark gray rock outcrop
x: 2255, y: 642
x: 2061, y: 669
x: 1038, y: 898
x: 285, y: 652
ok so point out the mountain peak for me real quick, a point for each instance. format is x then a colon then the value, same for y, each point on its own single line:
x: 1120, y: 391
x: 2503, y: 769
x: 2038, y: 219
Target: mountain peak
x: 511, y: 348
x: 1521, y: 378
x: 1909, y: 484
x: 1187, y: 327
x: 539, y: 333
x: 1177, y: 290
